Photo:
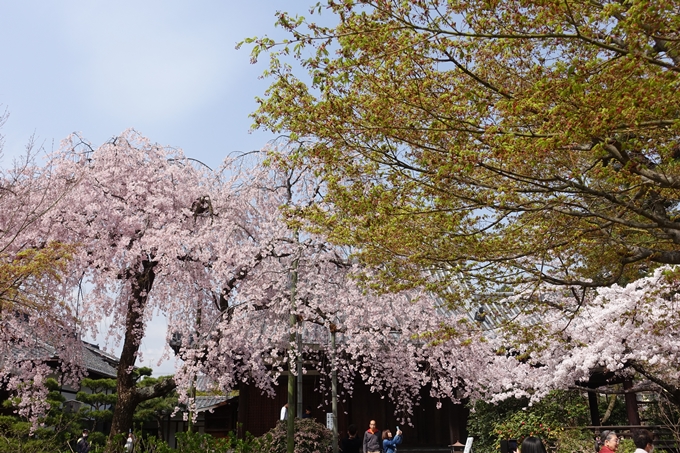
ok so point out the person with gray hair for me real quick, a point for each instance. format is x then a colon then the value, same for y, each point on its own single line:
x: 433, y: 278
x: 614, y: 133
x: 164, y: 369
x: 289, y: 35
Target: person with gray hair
x: 610, y: 442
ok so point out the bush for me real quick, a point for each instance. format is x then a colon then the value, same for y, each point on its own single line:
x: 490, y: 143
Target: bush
x: 196, y: 442
x: 524, y: 424
x: 483, y: 420
x: 16, y: 436
x: 189, y: 443
x: 555, y: 437
x: 626, y: 446
x: 576, y: 441
x: 310, y: 437
x: 555, y: 419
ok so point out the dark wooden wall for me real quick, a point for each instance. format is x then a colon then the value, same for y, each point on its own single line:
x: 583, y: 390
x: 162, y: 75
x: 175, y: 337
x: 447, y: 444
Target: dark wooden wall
x: 258, y: 413
x: 222, y: 420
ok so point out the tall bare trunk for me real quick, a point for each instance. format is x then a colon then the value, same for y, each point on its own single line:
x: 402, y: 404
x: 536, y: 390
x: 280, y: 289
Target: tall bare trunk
x: 127, y: 398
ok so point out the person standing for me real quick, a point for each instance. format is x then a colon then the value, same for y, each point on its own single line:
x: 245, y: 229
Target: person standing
x: 284, y: 412
x: 372, y: 439
x: 308, y: 412
x: 130, y: 443
x: 83, y: 446
x: 643, y: 440
x: 610, y: 441
x: 351, y: 443
x: 390, y: 445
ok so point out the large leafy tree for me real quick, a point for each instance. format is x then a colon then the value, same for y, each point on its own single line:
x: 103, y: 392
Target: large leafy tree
x: 496, y: 141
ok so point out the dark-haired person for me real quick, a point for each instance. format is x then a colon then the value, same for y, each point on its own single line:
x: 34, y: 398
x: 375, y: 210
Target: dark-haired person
x: 308, y: 412
x: 83, y: 446
x: 371, y: 442
x: 532, y: 445
x: 610, y: 442
x: 390, y: 445
x: 643, y: 440
x: 351, y: 443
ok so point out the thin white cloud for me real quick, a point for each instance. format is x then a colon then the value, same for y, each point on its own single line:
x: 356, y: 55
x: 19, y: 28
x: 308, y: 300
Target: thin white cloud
x: 167, y: 68
x: 147, y: 59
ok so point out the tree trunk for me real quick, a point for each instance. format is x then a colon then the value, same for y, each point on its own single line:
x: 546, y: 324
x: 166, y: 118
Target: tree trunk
x: 126, y: 403
x: 127, y: 398
x: 610, y: 408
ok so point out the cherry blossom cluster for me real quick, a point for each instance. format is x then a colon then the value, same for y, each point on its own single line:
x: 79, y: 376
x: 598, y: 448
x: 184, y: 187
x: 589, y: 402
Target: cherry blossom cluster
x: 249, y: 292
x: 628, y: 330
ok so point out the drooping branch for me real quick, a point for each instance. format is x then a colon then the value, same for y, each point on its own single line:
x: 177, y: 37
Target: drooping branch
x: 672, y: 391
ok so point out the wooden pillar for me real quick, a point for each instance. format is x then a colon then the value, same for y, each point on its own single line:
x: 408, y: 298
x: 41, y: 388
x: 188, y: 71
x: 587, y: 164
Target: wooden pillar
x: 631, y: 404
x: 594, y: 410
x: 242, y: 414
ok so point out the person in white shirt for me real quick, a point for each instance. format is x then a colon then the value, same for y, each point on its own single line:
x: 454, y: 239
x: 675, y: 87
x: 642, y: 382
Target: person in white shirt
x: 284, y: 412
x: 643, y: 440
x: 130, y: 443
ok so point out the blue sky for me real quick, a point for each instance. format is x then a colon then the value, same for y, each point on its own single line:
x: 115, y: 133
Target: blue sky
x: 167, y: 68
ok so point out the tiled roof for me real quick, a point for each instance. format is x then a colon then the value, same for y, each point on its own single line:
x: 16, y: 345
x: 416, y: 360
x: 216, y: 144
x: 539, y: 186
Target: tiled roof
x: 206, y: 403
x: 95, y: 359
x: 204, y: 384
x: 99, y: 361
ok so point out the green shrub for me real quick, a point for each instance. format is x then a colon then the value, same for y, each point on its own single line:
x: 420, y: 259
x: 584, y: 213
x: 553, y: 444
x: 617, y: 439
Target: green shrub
x: 626, y: 446
x: 199, y: 443
x: 16, y: 436
x: 310, y: 437
x: 186, y: 443
x: 575, y: 441
x: 483, y: 419
x: 555, y: 419
x: 523, y: 424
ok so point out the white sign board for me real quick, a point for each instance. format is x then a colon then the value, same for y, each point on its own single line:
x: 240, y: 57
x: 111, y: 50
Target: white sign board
x: 468, y: 445
x: 329, y: 420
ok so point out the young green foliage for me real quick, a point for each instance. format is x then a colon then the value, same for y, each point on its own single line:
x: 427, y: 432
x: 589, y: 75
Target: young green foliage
x: 497, y: 141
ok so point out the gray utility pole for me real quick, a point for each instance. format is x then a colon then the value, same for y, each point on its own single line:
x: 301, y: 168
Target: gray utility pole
x: 334, y: 390
x: 300, y: 409
x: 290, y: 432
